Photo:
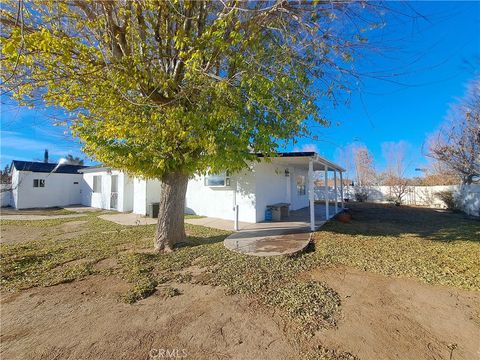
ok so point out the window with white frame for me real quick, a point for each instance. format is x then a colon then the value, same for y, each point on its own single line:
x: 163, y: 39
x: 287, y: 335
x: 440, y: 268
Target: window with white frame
x: 217, y: 180
x: 301, y: 188
x: 97, y: 183
x: 38, y: 183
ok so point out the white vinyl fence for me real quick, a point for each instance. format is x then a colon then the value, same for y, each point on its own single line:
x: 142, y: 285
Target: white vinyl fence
x: 467, y: 197
x: 5, y: 195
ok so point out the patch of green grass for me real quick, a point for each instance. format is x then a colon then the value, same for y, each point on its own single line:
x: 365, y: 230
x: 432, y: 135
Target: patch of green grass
x: 137, y: 270
x: 141, y: 289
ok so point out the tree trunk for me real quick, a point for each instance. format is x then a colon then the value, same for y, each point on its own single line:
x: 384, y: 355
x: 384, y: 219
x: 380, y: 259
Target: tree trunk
x: 170, y: 226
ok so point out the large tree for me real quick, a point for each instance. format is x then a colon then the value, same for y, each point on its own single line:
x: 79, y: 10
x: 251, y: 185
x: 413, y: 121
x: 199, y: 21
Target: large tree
x: 168, y: 88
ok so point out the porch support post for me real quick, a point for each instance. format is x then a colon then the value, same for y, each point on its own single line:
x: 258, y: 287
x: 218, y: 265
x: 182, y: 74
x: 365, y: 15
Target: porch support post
x: 327, y: 201
x: 311, y: 195
x: 341, y: 189
x: 335, y: 188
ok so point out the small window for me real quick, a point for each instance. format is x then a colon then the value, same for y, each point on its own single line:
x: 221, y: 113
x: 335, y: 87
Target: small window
x: 38, y: 183
x: 75, y: 183
x: 219, y: 180
x: 97, y: 184
x: 301, y: 185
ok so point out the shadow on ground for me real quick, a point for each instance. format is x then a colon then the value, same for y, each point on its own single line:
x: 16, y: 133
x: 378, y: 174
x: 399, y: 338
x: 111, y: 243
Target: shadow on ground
x: 370, y: 219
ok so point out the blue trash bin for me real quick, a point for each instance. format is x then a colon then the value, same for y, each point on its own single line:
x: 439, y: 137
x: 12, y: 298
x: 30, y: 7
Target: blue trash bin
x: 268, y: 214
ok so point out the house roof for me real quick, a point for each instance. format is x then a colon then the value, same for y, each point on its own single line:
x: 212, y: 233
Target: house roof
x: 319, y: 161
x: 293, y: 154
x: 41, y: 167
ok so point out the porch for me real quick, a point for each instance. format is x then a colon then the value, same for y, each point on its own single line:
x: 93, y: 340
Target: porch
x: 305, y: 174
x: 293, y: 233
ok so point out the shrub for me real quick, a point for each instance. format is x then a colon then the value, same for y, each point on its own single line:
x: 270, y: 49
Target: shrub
x: 448, y: 198
x: 361, y: 194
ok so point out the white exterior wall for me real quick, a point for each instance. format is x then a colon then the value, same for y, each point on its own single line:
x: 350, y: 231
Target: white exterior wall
x: 298, y: 201
x: 101, y: 199
x: 219, y: 202
x: 139, y: 196
x: 272, y: 186
x: 127, y: 193
x: 59, y: 190
x: 145, y: 192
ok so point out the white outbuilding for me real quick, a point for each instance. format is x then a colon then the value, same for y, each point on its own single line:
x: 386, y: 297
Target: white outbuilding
x: 41, y: 185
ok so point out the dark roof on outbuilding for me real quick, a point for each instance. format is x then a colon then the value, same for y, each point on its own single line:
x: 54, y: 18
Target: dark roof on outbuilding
x: 41, y: 167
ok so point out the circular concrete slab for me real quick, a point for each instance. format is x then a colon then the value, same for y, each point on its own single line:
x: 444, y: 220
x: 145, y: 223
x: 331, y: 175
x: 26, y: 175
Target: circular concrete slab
x: 286, y: 244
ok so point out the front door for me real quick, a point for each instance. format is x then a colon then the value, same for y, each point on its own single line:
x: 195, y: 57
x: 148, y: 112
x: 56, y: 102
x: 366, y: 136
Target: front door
x: 114, y: 193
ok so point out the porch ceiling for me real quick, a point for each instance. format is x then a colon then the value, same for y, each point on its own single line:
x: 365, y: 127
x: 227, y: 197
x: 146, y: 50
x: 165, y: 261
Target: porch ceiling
x: 319, y: 163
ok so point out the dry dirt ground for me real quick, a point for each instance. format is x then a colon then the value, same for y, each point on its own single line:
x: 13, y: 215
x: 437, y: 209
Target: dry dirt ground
x: 399, y: 318
x: 85, y: 320
x: 382, y: 318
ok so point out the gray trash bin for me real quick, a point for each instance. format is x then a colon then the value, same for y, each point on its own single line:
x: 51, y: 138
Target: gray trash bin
x: 152, y: 210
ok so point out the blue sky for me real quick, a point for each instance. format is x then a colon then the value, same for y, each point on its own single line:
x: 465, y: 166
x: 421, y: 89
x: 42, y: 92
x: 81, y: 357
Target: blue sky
x: 427, y: 62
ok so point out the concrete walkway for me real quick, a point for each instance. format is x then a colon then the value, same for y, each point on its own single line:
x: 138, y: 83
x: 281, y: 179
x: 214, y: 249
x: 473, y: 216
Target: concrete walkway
x: 262, y: 239
x: 256, y: 243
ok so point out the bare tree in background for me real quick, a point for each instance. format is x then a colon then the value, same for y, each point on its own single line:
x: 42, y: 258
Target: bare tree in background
x: 5, y: 175
x: 456, y: 144
x: 365, y: 175
x: 395, y: 155
x: 439, y: 174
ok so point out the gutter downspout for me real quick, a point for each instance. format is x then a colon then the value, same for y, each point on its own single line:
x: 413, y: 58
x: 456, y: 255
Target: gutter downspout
x: 235, y: 206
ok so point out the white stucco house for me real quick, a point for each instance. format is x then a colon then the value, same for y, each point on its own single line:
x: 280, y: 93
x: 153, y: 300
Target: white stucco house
x: 286, y: 178
x: 37, y: 185
x: 284, y: 181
